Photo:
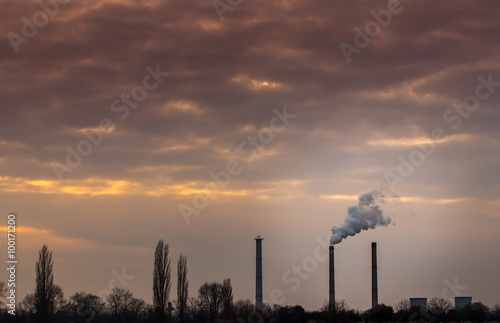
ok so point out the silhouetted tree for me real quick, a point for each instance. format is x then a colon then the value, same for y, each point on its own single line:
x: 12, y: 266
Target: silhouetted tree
x: 227, y: 299
x: 124, y: 307
x: 210, y: 295
x: 161, y: 281
x: 496, y: 312
x: 182, y: 288
x: 403, y: 305
x: 404, y: 310
x: 48, y: 297
x: 439, y: 307
x: 243, y: 309
x: 341, y: 312
x: 340, y: 306
x: 475, y: 312
x: 27, y: 307
x: 295, y: 314
x: 85, y: 307
x: 119, y: 302
x: 3, y: 291
x: 137, y: 310
x: 380, y: 313
x: 194, y: 310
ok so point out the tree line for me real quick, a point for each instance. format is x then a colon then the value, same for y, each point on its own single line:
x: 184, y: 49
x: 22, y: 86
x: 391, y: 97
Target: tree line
x: 438, y: 309
x: 47, y: 302
x: 214, y: 303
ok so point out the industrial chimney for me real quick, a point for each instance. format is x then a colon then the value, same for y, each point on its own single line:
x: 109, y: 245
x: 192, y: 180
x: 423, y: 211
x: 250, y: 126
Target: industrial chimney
x: 374, y: 275
x: 258, y: 277
x: 331, y: 301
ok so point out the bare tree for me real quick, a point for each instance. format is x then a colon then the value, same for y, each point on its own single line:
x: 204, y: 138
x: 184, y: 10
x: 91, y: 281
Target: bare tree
x: 27, y: 306
x: 119, y: 302
x: 161, y: 281
x: 210, y: 295
x: 380, y: 313
x: 193, y: 309
x: 3, y: 291
x: 47, y: 297
x: 227, y: 298
x: 243, y: 309
x: 182, y: 288
x: 439, y: 306
x: 125, y: 307
x: 339, y: 307
x: 86, y: 306
x: 476, y: 312
x: 138, y: 309
x: 496, y: 312
x: 403, y: 305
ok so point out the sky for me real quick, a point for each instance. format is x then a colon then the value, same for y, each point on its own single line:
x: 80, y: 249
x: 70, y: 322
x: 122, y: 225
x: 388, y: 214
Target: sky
x: 208, y: 123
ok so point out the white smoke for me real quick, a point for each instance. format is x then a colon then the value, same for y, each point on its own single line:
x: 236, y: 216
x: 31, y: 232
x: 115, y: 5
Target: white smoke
x: 366, y: 215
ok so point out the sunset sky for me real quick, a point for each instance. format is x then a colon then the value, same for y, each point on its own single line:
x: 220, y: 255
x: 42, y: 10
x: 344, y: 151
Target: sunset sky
x: 307, y: 114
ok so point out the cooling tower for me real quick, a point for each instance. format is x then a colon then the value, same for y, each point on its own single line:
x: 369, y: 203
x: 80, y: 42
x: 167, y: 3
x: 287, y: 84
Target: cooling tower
x: 420, y: 302
x: 462, y: 302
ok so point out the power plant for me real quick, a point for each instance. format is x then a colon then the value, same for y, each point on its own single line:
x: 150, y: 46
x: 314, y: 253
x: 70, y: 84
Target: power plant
x: 258, y: 274
x: 418, y: 302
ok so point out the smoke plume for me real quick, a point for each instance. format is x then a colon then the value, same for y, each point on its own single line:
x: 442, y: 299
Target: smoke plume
x: 366, y: 215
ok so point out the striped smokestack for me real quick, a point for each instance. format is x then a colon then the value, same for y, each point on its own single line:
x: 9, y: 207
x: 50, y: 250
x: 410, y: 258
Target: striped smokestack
x: 331, y: 301
x: 374, y: 275
x: 258, y: 276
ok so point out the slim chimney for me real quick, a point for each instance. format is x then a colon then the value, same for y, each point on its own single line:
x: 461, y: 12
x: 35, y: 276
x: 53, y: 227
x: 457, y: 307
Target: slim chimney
x: 331, y: 301
x: 258, y: 277
x: 374, y: 275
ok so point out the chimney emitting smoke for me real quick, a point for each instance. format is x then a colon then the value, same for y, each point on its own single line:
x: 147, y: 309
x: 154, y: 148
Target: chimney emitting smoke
x: 331, y: 301
x: 366, y: 215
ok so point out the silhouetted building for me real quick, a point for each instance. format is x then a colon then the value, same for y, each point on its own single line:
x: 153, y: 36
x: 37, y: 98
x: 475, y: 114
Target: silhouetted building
x: 419, y: 302
x: 462, y: 302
